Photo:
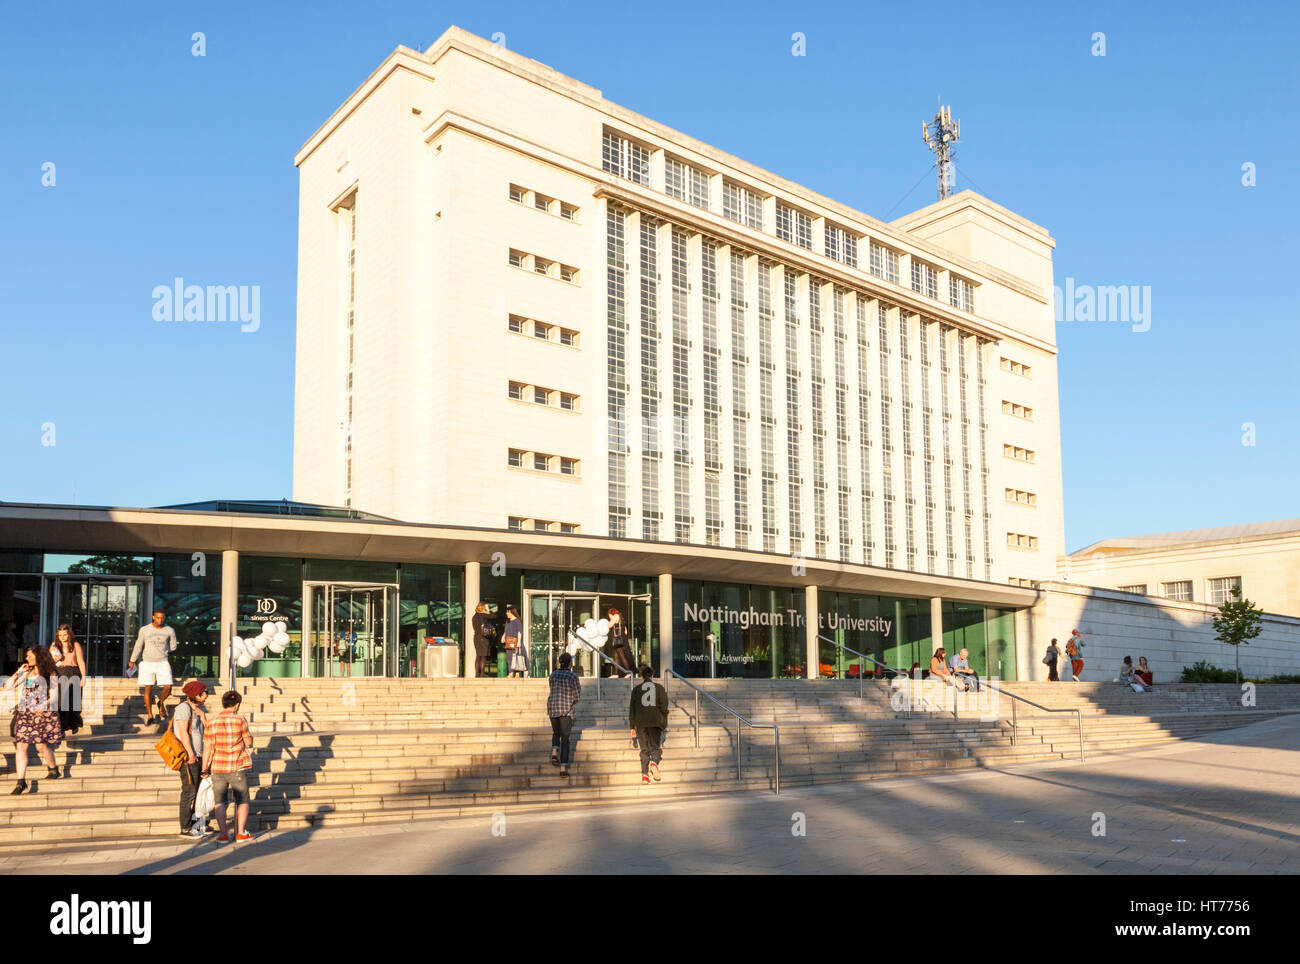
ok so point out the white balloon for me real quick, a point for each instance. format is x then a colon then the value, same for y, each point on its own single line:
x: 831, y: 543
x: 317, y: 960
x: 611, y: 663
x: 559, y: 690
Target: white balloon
x: 238, y: 646
x: 236, y: 640
x: 277, y: 647
x: 281, y: 637
x: 268, y: 629
x: 589, y: 625
x: 281, y: 626
x: 245, y: 661
x: 603, y: 626
x: 582, y: 633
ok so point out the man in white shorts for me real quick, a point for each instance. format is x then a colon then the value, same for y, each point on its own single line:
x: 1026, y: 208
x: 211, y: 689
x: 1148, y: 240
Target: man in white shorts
x: 155, y: 642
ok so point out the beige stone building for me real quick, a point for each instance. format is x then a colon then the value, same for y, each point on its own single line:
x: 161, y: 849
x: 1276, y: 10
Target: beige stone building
x: 1199, y: 565
x: 523, y: 306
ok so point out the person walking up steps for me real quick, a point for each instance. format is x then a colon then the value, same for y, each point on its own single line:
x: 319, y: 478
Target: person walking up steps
x: 1049, y: 661
x: 1074, y: 650
x: 565, y: 692
x: 647, y: 715
x: 155, y: 642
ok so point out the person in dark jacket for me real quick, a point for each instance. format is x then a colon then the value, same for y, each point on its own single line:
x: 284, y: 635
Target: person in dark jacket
x: 647, y: 715
x: 484, y: 630
x: 618, y: 642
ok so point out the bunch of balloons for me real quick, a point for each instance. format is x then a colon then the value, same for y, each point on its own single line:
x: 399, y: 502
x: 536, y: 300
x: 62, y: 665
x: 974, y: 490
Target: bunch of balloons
x: 592, y: 631
x: 275, y: 637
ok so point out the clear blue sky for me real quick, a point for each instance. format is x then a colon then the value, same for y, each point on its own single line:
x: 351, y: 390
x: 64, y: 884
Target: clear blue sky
x: 172, y: 165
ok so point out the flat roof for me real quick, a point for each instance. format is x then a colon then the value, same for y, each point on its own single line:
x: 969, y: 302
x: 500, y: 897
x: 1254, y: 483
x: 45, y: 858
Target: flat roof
x: 64, y: 528
x: 1168, y: 540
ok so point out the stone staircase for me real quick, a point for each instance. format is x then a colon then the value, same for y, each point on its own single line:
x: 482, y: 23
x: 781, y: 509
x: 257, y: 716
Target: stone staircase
x: 366, y: 751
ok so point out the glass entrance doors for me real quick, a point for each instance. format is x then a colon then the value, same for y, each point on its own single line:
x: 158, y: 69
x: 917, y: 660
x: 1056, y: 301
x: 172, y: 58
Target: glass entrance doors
x: 105, y: 613
x: 349, y: 628
x: 553, y: 616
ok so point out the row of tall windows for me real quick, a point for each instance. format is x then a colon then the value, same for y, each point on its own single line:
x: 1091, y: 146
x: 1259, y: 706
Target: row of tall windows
x: 716, y: 366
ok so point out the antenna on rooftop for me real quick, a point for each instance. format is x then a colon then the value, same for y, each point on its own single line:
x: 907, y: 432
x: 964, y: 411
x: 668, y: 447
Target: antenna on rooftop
x: 941, y: 136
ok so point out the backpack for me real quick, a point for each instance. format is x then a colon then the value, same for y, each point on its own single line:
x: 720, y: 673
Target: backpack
x: 169, y: 747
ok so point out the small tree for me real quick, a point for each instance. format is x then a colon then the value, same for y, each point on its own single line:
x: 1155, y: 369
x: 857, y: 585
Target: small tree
x: 1239, y: 621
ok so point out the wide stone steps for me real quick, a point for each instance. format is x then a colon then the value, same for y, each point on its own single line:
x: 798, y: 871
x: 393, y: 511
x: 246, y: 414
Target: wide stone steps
x: 374, y: 751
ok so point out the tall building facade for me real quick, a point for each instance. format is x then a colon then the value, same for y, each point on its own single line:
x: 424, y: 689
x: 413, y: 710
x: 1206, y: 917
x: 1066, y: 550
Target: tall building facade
x: 524, y: 307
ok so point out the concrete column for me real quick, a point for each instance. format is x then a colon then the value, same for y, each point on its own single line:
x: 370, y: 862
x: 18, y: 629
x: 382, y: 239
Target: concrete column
x: 936, y: 628
x: 665, y: 622
x: 229, y: 612
x: 471, y: 600
x: 810, y: 625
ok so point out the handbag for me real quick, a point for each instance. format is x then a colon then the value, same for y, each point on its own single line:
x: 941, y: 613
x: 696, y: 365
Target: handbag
x: 170, y: 749
x: 512, y: 642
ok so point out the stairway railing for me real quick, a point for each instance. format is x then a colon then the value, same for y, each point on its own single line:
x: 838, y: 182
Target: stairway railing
x: 776, y: 730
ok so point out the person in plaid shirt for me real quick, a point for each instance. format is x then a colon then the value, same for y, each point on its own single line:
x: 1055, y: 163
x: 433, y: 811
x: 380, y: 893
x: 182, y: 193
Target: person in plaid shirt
x: 565, y: 690
x: 226, y: 746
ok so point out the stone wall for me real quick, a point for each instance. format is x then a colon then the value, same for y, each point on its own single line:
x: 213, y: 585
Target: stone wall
x: 1169, y: 634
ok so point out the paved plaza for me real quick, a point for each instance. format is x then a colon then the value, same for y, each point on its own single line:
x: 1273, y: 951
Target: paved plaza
x: 1221, y: 804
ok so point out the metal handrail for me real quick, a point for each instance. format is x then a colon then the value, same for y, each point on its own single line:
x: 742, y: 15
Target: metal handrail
x: 1045, y: 709
x: 631, y: 675
x: 776, y: 730
x: 870, y: 659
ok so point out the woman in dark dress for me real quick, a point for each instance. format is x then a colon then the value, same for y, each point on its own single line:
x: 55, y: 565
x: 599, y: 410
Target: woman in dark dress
x: 483, y: 633
x: 70, y: 663
x: 618, y: 641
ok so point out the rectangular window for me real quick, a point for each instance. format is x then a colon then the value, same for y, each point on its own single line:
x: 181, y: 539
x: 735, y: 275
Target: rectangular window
x: 541, y: 330
x: 1017, y: 453
x: 625, y: 158
x: 568, y: 402
x: 541, y: 462
x: 568, y: 274
x: 516, y: 391
x: 516, y: 523
x: 541, y: 265
x: 517, y: 258
x: 516, y: 458
x: 686, y: 183
x: 842, y: 245
x: 568, y: 466
x: 925, y: 279
x: 542, y: 202
x: 1139, y: 588
x: 884, y: 263
x: 1221, y: 589
x: 1015, y: 367
x: 568, y: 337
x: 568, y: 527
x: 516, y: 324
x: 517, y: 193
x: 1181, y: 590
x: 794, y: 226
x: 742, y: 205
x: 961, y: 293
x: 569, y: 213
x: 542, y: 396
